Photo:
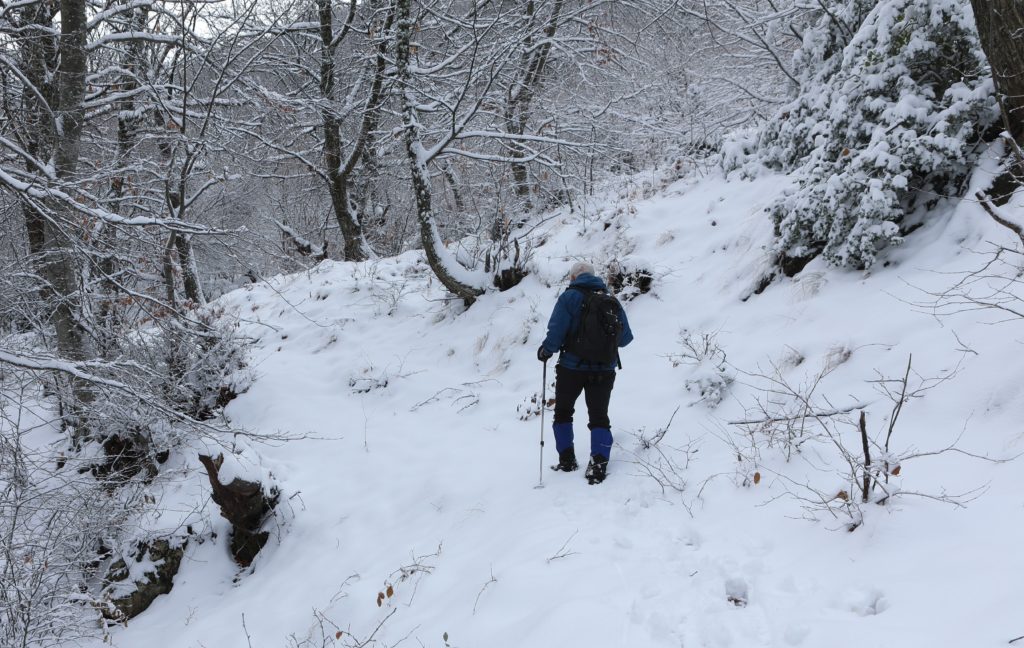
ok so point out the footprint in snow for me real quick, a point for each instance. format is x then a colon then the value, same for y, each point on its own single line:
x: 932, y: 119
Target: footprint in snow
x: 737, y: 592
x: 795, y: 635
x: 866, y: 602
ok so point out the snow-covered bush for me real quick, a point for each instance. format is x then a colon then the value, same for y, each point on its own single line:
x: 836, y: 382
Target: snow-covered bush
x: 57, y: 513
x: 170, y: 377
x: 892, y: 120
x: 710, y: 377
x: 739, y: 151
x: 710, y: 383
x: 204, y: 363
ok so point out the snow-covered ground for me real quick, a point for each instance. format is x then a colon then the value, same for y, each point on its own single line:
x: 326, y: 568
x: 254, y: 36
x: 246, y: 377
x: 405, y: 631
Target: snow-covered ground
x: 419, y: 473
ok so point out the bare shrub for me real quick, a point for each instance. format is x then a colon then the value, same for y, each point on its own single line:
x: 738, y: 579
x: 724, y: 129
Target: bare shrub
x: 789, y: 417
x: 662, y: 462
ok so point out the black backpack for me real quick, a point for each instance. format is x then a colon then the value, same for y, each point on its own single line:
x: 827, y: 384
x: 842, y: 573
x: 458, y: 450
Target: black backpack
x: 597, y: 338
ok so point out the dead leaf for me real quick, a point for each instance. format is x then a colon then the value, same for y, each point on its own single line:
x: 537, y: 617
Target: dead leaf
x: 391, y: 591
x: 757, y: 478
x: 337, y: 635
x: 896, y: 471
x: 843, y: 495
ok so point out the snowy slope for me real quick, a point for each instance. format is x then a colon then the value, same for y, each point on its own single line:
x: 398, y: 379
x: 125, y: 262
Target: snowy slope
x: 419, y: 473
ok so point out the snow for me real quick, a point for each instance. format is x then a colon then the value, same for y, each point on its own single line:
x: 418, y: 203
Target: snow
x: 417, y: 472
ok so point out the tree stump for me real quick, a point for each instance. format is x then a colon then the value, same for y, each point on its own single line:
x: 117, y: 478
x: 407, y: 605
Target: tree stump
x: 245, y: 505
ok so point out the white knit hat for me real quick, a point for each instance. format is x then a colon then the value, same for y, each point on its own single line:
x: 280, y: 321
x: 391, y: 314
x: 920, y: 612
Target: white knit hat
x: 581, y: 267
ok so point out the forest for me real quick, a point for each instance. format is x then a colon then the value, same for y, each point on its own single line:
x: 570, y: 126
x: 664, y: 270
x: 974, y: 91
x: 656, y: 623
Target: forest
x: 162, y: 159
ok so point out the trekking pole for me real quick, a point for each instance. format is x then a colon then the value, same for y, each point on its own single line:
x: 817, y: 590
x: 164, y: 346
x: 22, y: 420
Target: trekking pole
x: 543, y: 404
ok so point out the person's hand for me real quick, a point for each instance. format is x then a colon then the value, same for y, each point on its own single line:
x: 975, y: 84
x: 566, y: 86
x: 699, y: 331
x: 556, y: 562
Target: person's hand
x: 543, y: 354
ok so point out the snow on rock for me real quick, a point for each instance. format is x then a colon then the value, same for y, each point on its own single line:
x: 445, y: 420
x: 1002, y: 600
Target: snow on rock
x: 414, y: 509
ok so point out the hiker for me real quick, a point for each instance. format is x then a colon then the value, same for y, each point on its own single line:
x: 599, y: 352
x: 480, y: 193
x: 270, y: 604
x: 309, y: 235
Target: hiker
x: 588, y: 326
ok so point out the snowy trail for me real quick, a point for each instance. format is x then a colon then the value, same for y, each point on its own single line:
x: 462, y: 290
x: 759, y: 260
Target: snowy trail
x: 438, y: 459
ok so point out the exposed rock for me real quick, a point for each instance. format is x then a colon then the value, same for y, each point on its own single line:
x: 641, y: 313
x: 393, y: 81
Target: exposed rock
x: 130, y: 598
x: 792, y: 265
x: 509, y: 278
x: 630, y: 284
x: 127, y: 454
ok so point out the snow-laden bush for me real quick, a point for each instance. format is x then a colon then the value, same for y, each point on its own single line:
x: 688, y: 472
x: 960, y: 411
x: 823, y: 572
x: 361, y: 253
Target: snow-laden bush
x: 710, y: 376
x: 739, y: 152
x: 201, y: 365
x: 895, y: 117
x: 171, y: 381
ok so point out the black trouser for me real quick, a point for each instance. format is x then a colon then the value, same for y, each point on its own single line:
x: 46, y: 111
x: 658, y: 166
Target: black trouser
x: 597, y: 388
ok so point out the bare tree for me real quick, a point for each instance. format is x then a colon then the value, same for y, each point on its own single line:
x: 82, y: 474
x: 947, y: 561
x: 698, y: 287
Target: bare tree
x: 525, y: 84
x: 336, y: 76
x: 340, y: 169
x: 457, y: 107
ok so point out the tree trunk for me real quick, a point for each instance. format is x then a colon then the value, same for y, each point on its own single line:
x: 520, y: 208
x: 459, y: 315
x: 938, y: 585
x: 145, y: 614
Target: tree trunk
x: 59, y: 266
x: 71, y: 86
x: 189, y: 272
x: 38, y: 53
x: 520, y: 174
x: 453, y: 184
x: 128, y: 120
x: 520, y: 96
x: 369, y: 123
x: 168, y: 268
x: 127, y: 129
x: 433, y: 246
x: 351, y: 228
x: 338, y: 177
x: 1000, y: 25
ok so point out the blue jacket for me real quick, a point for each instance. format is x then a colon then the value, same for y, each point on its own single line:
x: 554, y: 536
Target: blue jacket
x: 565, y: 321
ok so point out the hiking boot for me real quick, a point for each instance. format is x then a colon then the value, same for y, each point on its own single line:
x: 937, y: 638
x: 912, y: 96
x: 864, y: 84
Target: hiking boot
x: 597, y: 470
x: 567, y: 460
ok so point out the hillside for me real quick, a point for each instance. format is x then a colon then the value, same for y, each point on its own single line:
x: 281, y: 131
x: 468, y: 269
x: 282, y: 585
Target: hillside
x: 417, y: 470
